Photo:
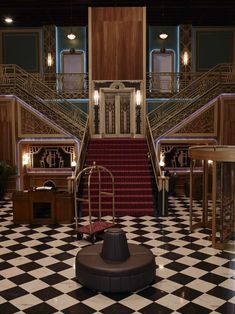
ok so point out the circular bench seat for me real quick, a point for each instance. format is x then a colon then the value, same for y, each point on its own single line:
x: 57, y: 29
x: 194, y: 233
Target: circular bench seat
x: 107, y: 275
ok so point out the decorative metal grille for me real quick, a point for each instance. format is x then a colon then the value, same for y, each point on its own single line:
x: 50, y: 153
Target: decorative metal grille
x: 51, y: 157
x: 30, y: 124
x: 44, y: 101
x: 175, y: 156
x: 202, y: 124
x: 176, y: 110
x: 110, y: 125
x: 125, y: 114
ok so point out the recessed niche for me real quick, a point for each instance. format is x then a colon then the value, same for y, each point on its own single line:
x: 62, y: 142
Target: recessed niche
x: 42, y: 210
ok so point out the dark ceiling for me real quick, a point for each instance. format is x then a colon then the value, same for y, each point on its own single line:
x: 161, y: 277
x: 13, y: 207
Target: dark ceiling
x: 30, y: 13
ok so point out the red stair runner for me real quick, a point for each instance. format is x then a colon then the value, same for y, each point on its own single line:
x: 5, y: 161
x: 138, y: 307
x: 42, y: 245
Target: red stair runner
x: 128, y: 162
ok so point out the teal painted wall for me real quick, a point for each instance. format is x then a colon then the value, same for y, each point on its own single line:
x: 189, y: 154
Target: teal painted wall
x: 154, y: 42
x: 63, y: 43
x: 212, y: 47
x: 83, y: 105
x: 23, y: 49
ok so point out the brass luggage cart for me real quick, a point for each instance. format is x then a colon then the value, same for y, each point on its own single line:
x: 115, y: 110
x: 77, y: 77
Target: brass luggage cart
x: 98, y: 226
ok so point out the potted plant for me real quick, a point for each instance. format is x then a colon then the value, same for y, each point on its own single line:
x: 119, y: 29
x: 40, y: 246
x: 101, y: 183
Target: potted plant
x: 6, y: 171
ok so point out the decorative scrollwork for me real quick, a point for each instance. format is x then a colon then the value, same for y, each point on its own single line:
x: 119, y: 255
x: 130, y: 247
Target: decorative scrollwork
x: 30, y: 124
x: 171, y: 113
x: 203, y: 124
x: 50, y: 156
x: 44, y: 101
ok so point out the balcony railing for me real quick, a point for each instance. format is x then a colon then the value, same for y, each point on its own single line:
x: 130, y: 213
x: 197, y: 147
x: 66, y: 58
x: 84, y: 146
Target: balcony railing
x: 158, y: 85
x: 168, y: 114
x: 69, y: 85
x: 40, y: 98
x: 166, y: 85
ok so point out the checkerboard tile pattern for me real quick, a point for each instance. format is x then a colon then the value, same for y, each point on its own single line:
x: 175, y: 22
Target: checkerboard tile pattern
x: 37, y: 272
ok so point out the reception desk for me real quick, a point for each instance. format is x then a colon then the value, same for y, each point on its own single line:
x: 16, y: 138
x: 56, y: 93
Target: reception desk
x: 43, y: 207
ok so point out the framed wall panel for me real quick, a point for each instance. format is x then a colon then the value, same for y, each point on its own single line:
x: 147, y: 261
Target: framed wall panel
x: 212, y: 46
x: 7, y: 129
x: 22, y: 48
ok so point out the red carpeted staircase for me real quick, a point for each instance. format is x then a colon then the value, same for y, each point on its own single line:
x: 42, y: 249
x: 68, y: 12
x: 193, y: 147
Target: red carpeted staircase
x: 127, y: 159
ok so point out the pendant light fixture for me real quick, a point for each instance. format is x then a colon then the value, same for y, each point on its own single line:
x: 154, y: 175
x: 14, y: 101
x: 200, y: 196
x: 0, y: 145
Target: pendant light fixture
x: 71, y: 35
x: 8, y: 20
x: 163, y: 35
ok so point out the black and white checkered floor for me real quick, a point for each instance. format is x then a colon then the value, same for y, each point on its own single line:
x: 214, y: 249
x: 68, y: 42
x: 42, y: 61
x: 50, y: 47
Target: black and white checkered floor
x: 37, y: 272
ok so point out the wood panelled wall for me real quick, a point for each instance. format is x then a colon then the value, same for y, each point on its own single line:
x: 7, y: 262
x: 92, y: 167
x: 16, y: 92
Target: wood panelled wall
x: 117, y: 43
x: 7, y: 127
x: 228, y: 120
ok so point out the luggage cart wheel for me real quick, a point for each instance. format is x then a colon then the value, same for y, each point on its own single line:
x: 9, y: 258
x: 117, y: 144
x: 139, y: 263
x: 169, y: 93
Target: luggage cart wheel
x: 92, y: 238
x: 79, y: 236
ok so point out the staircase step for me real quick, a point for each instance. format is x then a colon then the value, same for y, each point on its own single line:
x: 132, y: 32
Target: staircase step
x: 116, y: 163
x: 123, y: 179
x: 119, y: 205
x: 117, y: 140
x: 130, y: 185
x: 126, y: 168
x: 128, y: 198
x: 135, y: 159
x: 138, y: 212
x: 120, y: 147
x: 115, y: 149
x: 127, y: 160
x: 120, y: 191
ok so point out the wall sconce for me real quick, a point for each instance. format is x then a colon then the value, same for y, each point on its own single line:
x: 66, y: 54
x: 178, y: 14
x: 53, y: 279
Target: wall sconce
x: 138, y: 98
x: 25, y: 159
x: 210, y: 162
x: 185, y: 58
x: 162, y: 162
x: 96, y: 97
x: 163, y: 35
x: 73, y: 164
x: 49, y: 59
x: 49, y: 54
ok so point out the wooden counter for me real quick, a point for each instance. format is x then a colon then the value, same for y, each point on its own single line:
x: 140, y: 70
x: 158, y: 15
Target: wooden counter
x: 43, y: 207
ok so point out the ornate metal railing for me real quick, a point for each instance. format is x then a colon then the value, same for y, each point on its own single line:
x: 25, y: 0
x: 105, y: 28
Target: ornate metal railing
x: 42, y: 99
x: 83, y: 149
x: 79, y: 160
x: 153, y: 153
x: 170, y: 113
x: 165, y: 85
x: 69, y: 85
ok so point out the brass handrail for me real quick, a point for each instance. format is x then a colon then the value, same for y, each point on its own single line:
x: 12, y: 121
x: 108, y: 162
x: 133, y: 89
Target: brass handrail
x: 153, y: 153
x: 83, y: 149
x: 79, y: 160
x: 172, y: 112
x: 43, y: 99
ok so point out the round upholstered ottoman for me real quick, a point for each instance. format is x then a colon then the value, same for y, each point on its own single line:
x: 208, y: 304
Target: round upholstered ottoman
x: 115, y: 266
